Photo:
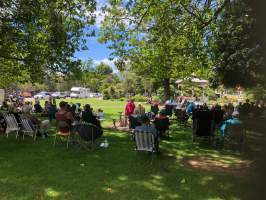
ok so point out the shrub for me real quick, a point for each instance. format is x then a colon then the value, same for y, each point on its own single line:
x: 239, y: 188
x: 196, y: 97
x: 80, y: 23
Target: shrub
x: 106, y: 94
x: 139, y: 98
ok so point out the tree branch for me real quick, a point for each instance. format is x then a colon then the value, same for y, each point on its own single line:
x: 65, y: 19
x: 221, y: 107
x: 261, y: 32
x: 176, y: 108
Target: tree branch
x: 144, y: 14
x: 193, y: 14
x: 12, y: 58
x: 216, y: 13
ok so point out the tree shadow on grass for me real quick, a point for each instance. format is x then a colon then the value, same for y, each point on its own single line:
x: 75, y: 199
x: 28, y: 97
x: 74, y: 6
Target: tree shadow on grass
x: 36, y: 170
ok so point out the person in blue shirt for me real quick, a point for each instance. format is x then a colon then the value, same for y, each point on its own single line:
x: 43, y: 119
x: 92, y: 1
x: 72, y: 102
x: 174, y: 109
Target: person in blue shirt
x: 226, y: 124
x: 190, y: 107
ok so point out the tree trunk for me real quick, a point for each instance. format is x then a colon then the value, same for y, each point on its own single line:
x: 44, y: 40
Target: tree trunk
x: 166, y: 87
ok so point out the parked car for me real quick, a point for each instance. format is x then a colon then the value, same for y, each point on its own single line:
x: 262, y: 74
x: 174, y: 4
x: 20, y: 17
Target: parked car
x: 59, y: 95
x: 42, y: 95
x: 67, y: 93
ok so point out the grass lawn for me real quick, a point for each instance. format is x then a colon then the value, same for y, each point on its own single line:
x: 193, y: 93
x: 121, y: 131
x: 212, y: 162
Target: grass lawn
x: 37, y: 170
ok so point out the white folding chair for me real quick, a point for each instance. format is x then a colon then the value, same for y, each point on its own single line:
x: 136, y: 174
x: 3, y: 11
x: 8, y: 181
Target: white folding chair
x: 11, y: 124
x: 28, y: 128
x: 144, y: 141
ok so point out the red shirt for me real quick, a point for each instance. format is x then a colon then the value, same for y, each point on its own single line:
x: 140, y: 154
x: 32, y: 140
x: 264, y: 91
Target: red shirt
x: 65, y: 117
x: 129, y: 108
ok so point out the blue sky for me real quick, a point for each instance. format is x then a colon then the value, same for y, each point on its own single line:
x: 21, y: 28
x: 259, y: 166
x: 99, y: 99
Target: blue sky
x: 97, y: 52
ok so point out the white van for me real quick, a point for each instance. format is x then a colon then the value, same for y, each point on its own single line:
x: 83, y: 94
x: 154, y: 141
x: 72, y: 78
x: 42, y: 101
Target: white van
x: 79, y: 92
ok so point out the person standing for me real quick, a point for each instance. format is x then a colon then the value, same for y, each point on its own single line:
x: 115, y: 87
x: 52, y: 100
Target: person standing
x: 130, y: 107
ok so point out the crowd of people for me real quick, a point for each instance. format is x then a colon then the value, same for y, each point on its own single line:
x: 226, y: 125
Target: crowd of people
x: 156, y: 120
x: 221, y: 115
x: 42, y: 116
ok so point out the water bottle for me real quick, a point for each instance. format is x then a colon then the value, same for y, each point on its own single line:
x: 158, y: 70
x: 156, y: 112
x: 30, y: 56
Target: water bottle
x: 106, y: 144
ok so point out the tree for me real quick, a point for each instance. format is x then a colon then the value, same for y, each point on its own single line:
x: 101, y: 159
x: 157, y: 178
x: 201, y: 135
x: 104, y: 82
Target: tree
x: 237, y: 47
x: 161, y: 40
x: 103, y: 69
x: 39, y: 37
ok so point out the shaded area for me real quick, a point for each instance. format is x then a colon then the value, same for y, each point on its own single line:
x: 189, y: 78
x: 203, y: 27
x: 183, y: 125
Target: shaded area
x: 31, y: 170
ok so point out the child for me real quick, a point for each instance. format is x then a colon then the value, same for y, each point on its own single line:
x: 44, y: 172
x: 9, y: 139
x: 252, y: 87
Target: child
x: 100, y: 114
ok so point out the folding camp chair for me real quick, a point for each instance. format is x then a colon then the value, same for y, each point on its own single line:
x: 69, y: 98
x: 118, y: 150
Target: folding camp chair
x: 11, y: 124
x: 28, y: 128
x: 60, y: 134
x: 145, y: 141
x: 203, y: 125
x: 162, y: 126
x: 182, y: 116
x: 168, y: 110
x: 134, y: 121
x: 88, y: 133
x: 236, y: 133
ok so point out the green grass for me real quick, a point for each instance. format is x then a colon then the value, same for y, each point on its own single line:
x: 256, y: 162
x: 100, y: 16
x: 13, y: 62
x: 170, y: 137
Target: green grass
x: 37, y: 170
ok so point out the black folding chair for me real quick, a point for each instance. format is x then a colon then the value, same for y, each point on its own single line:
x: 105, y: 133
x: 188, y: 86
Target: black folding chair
x: 134, y: 122
x: 203, y: 125
x: 168, y: 110
x: 162, y: 126
x: 88, y: 133
x: 182, y: 116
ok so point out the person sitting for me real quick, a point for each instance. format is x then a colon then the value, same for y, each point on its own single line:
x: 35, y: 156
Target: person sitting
x: 246, y: 108
x: 64, y: 118
x: 146, y: 127
x: 4, y: 106
x: 155, y: 108
x: 139, y: 110
x: 37, y: 107
x: 51, y: 111
x: 40, y: 125
x: 225, y: 125
x: 46, y: 107
x: 100, y: 114
x: 88, y: 116
x: 161, y: 123
x: 218, y: 115
x: 230, y: 110
x: 190, y: 108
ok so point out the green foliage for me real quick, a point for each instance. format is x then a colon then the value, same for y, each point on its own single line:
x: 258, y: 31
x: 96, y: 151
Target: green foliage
x: 162, y: 40
x: 106, y: 94
x: 257, y: 93
x: 236, y: 47
x: 103, y: 69
x: 139, y: 98
x: 39, y: 38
